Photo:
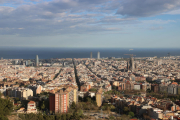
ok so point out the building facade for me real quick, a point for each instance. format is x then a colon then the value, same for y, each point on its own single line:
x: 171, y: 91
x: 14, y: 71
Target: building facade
x: 98, y: 55
x: 60, y: 101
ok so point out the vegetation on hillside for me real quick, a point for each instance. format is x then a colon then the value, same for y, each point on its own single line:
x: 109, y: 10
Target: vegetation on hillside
x: 6, y: 108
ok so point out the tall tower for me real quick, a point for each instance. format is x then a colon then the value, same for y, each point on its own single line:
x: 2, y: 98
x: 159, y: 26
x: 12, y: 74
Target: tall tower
x: 132, y: 63
x: 128, y: 65
x: 37, y: 61
x: 98, y: 55
x: 91, y: 55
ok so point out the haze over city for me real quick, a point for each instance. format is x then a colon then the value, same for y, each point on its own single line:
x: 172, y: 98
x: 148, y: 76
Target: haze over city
x: 90, y: 23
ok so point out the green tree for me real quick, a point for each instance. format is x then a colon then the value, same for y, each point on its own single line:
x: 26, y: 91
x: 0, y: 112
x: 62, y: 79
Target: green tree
x: 131, y: 114
x: 114, y: 87
x: 93, y: 90
x: 80, y: 112
x: 3, y: 117
x: 172, y: 99
x: 6, y: 107
x: 113, y: 108
x: 68, y: 116
x: 58, y: 116
x: 40, y: 117
x: 88, y: 99
x: 75, y: 116
x: 50, y: 117
x: 73, y: 105
x: 17, y: 99
x: 125, y: 109
x: 63, y: 117
x: 5, y: 80
x: 43, y: 106
x: 111, y: 117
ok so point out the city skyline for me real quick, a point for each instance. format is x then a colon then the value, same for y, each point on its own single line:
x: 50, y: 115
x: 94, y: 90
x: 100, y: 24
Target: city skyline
x: 90, y: 23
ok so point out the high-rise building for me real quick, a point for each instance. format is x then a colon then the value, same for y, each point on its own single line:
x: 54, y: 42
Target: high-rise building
x: 132, y: 63
x: 61, y: 99
x: 58, y: 102
x: 127, y: 65
x: 37, y: 61
x: 91, y: 55
x: 98, y: 55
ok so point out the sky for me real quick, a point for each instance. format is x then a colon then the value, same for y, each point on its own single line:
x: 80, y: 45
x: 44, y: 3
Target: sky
x: 90, y: 23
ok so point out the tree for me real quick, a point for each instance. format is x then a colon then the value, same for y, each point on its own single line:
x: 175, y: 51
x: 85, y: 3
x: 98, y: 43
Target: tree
x: 125, y: 109
x: 19, y: 102
x: 131, y: 114
x: 68, y: 116
x: 63, y: 117
x: 93, y: 90
x: 113, y: 108
x: 172, y: 99
x: 40, y: 116
x: 80, y: 112
x: 73, y: 105
x: 111, y: 117
x: 43, y: 106
x: 3, y: 117
x: 5, y: 80
x: 17, y: 99
x: 114, y: 87
x: 58, y: 116
x: 148, y: 90
x: 75, y: 116
x: 6, y: 107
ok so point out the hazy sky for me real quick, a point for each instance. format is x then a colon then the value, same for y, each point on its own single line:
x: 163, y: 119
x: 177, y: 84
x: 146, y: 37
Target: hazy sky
x: 90, y: 23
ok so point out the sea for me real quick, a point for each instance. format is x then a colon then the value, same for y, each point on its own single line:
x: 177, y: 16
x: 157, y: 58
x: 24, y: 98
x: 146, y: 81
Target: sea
x: 48, y: 53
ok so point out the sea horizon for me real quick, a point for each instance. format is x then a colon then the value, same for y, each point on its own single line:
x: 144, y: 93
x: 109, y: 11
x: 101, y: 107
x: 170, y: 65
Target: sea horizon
x: 49, y: 52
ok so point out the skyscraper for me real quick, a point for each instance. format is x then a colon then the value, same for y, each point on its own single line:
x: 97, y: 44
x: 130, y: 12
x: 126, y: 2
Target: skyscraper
x: 37, y: 61
x: 132, y: 63
x: 98, y: 55
x: 91, y: 55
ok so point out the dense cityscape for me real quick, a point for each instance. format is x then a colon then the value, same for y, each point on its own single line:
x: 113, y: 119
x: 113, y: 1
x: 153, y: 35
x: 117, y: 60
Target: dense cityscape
x: 89, y: 60
x: 92, y: 88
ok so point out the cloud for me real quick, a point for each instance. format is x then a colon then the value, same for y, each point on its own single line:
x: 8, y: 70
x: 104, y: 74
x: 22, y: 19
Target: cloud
x: 52, y: 18
x: 174, y: 12
x: 144, y: 8
x: 115, y: 20
x: 76, y: 16
x: 11, y: 2
x: 158, y: 21
x: 35, y: 0
x: 156, y: 28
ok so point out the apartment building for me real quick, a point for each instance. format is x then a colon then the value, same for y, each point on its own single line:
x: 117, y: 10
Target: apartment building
x: 35, y: 88
x: 21, y: 93
x: 61, y: 99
